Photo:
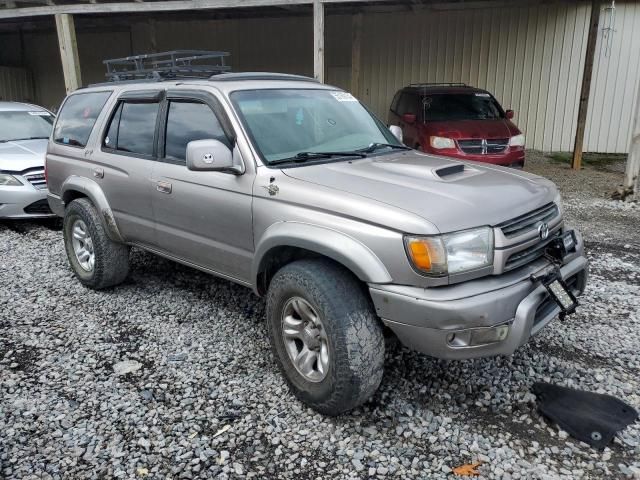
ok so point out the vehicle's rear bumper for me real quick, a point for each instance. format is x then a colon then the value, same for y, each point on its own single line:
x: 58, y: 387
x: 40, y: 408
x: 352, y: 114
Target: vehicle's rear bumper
x: 24, y: 202
x: 56, y: 204
x: 434, y: 322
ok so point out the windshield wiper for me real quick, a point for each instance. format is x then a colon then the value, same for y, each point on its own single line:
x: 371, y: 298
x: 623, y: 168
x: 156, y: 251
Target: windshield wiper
x: 304, y: 156
x: 377, y: 146
x: 27, y: 138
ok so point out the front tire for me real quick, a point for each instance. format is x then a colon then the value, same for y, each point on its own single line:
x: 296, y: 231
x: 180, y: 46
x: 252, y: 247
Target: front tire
x: 327, y: 340
x: 96, y: 260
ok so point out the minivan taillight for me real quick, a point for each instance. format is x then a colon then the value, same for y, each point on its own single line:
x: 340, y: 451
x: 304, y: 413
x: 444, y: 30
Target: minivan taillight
x: 46, y: 179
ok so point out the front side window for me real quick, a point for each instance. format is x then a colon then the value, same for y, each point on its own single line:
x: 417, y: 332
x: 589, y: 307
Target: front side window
x: 24, y: 125
x: 286, y: 122
x: 132, y: 128
x: 461, y: 106
x: 408, y: 103
x: 77, y: 118
x: 188, y: 121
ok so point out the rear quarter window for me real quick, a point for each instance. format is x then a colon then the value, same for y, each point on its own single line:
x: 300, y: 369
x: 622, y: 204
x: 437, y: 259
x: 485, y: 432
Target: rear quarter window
x: 77, y: 118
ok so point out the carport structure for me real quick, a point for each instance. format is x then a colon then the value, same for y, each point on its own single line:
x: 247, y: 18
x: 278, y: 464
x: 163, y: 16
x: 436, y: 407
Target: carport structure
x: 534, y: 55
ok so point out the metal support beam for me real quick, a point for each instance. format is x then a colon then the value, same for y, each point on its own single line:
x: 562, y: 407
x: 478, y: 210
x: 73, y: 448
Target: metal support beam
x: 356, y: 53
x: 632, y: 170
x: 68, y: 51
x: 585, y: 89
x: 318, y: 40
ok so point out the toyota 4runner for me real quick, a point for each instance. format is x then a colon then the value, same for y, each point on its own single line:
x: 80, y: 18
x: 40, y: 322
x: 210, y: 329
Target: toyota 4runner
x: 295, y: 189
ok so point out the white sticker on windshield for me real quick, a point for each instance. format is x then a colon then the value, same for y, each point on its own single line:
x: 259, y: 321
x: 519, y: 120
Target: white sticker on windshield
x: 482, y: 95
x: 344, y: 97
x: 40, y: 114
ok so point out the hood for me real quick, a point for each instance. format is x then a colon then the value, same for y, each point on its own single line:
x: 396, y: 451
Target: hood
x: 450, y: 194
x: 463, y: 129
x: 16, y: 156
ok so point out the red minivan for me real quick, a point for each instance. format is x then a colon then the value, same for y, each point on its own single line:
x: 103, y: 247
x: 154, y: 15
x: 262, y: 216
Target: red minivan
x: 456, y: 120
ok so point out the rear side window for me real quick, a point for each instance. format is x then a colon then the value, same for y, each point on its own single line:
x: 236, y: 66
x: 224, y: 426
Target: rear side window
x: 77, y: 118
x: 188, y: 121
x: 408, y: 103
x: 132, y: 128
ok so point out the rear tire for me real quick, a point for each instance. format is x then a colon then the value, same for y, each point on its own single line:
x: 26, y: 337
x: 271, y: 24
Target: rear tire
x: 96, y: 260
x: 347, y: 329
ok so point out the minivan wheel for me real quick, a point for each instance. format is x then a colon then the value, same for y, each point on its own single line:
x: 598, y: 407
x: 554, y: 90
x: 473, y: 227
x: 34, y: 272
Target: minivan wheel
x: 96, y: 260
x: 327, y: 340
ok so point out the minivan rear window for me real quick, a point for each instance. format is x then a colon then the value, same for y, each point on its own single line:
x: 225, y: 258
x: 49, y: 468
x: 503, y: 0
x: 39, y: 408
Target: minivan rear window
x: 77, y: 118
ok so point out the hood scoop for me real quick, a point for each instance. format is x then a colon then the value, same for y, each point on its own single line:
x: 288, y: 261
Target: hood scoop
x: 449, y: 170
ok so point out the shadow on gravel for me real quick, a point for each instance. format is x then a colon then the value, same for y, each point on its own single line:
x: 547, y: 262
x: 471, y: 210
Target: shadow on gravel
x: 25, y: 227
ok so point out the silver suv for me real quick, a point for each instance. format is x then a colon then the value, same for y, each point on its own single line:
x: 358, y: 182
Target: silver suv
x: 295, y: 189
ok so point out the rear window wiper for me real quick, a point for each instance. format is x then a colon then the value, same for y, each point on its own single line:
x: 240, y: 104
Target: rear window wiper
x: 377, y: 146
x: 304, y: 156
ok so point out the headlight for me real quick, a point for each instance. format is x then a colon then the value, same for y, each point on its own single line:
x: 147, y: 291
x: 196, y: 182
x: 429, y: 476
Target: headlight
x: 558, y: 202
x: 453, y: 252
x: 7, y: 180
x: 442, y: 142
x: 517, y: 141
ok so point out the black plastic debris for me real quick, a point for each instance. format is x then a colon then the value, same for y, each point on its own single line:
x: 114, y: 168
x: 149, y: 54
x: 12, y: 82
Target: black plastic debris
x: 593, y: 418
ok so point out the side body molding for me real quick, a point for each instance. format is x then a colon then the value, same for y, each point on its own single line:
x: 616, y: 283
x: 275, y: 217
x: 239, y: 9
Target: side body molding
x: 333, y: 244
x: 92, y: 190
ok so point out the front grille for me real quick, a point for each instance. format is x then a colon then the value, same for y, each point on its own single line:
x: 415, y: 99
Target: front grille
x: 36, y: 178
x: 529, y: 221
x: 41, y: 207
x: 483, y: 146
x: 529, y: 254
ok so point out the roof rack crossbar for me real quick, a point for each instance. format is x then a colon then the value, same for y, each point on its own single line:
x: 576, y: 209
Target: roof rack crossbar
x: 168, y: 65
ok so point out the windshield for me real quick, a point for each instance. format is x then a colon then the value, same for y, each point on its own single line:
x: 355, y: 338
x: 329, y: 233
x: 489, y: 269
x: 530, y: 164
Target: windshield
x: 461, y: 106
x: 283, y: 123
x: 22, y: 125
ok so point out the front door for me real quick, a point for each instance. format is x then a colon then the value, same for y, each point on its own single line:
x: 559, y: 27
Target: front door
x: 203, y: 218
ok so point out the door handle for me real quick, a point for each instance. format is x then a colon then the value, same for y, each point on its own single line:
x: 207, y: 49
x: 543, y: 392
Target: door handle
x: 163, y: 187
x: 98, y: 172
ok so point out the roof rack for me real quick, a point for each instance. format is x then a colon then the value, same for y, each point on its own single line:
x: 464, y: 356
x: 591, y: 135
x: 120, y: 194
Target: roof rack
x: 167, y: 65
x: 439, y: 84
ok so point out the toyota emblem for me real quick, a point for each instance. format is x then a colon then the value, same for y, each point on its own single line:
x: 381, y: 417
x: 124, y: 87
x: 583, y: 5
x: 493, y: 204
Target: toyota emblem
x: 543, y: 231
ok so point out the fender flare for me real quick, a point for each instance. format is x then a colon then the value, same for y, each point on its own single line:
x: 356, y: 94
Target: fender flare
x: 93, y: 192
x: 342, y: 248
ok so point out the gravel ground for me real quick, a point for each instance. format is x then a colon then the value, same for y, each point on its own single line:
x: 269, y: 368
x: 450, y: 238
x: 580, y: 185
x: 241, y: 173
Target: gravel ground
x: 202, y: 397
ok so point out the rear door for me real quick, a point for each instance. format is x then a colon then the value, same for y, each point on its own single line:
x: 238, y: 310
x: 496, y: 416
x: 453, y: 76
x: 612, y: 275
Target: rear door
x: 203, y: 218
x: 125, y: 161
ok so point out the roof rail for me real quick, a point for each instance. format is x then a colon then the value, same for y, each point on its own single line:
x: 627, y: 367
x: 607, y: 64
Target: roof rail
x: 232, y: 77
x: 439, y: 84
x: 173, y: 64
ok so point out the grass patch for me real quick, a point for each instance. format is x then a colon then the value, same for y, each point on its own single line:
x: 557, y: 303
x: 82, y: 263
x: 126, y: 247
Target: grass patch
x: 592, y: 159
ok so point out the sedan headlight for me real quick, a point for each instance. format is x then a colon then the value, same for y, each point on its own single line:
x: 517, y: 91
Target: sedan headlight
x: 442, y: 142
x: 558, y: 201
x: 7, y: 180
x: 451, y: 253
x: 517, y: 141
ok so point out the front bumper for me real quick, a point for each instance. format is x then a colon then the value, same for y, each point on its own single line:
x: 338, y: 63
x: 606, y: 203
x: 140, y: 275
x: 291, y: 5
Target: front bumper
x: 24, y: 201
x: 433, y: 320
x: 512, y: 157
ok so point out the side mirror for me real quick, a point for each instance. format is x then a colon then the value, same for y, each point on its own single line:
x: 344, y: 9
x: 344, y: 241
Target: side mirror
x: 212, y: 156
x: 409, y: 118
x: 397, y: 132
x: 509, y: 114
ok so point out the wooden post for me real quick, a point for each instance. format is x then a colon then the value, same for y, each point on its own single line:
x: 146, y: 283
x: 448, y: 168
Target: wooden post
x: 586, y: 84
x: 318, y: 40
x: 632, y: 170
x: 68, y: 51
x: 356, y: 42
